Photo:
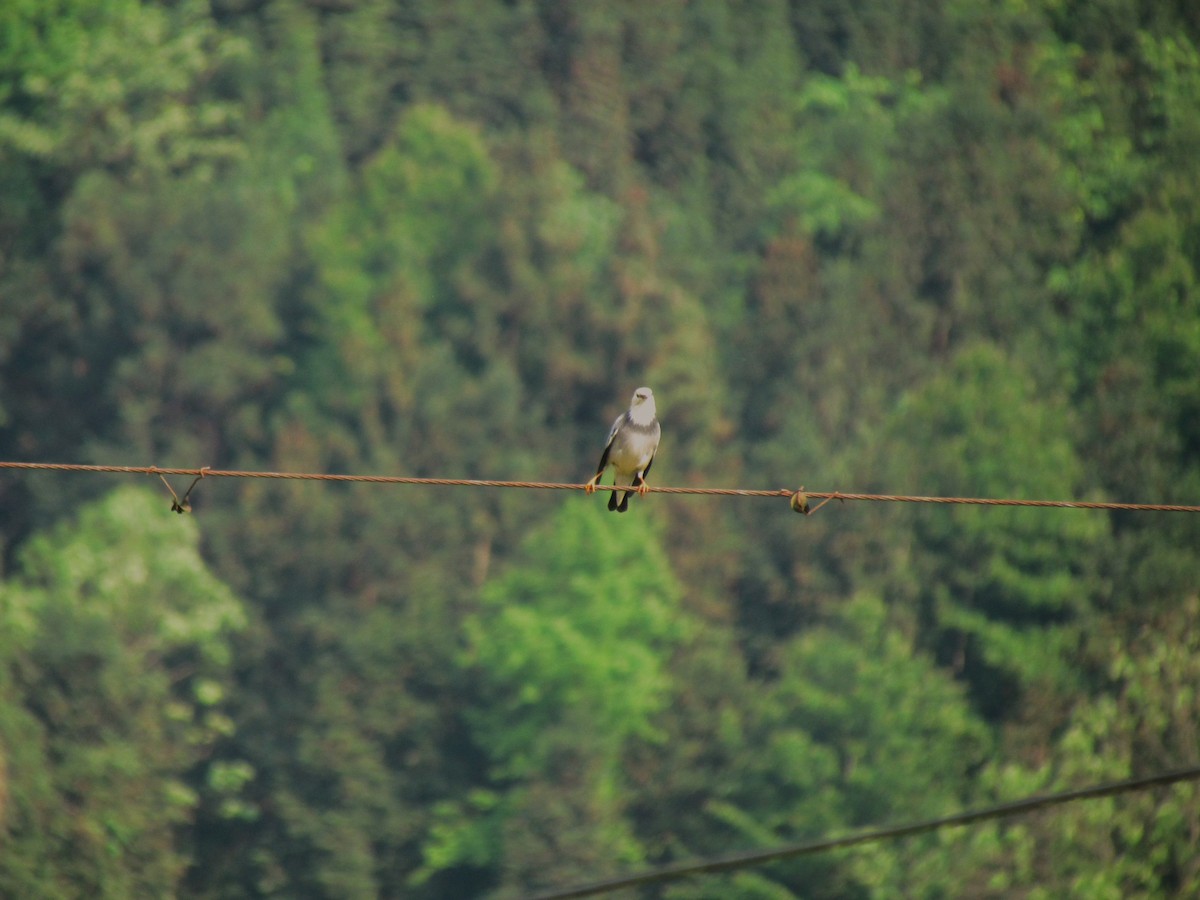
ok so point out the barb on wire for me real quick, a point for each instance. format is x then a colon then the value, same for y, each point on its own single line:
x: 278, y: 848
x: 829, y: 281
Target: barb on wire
x: 184, y: 505
x: 176, y: 505
x: 789, y: 494
x: 754, y: 858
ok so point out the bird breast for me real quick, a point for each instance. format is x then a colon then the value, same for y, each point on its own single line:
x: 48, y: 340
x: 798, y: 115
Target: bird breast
x: 634, y: 447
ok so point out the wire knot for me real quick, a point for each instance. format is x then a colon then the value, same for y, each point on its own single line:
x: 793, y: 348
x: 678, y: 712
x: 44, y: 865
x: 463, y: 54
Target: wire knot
x: 183, y: 505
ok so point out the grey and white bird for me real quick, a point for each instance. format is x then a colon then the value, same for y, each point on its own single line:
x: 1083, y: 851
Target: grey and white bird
x: 632, y: 443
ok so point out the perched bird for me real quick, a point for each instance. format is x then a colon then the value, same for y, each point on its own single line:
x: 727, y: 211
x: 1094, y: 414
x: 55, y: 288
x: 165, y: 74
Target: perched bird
x: 632, y: 443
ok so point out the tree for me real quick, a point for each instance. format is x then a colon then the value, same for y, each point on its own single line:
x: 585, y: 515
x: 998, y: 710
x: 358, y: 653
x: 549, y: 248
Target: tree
x: 117, y: 121
x: 114, y: 673
x: 1142, y: 722
x: 857, y: 728
x: 1146, y: 721
x: 997, y: 594
x: 568, y: 653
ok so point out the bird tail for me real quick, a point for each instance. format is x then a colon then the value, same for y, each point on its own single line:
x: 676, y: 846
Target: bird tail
x: 613, y: 505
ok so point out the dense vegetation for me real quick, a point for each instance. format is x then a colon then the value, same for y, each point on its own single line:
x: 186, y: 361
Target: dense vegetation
x: 941, y: 247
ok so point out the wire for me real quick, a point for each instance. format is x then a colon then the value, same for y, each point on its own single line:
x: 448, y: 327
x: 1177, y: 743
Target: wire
x: 754, y: 858
x: 787, y: 493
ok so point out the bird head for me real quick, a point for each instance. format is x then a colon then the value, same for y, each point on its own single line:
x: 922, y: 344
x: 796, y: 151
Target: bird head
x: 642, y: 406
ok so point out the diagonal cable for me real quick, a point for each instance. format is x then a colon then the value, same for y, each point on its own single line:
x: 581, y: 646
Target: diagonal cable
x: 791, y: 851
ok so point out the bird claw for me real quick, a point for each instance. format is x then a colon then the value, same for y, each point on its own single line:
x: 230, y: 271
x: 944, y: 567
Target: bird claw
x: 643, y: 489
x: 590, y: 487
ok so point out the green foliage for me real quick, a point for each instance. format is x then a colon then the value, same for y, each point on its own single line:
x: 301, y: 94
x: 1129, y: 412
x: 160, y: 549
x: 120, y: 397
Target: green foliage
x: 114, y: 670
x: 1001, y: 588
x: 1138, y: 845
x: 1135, y: 845
x: 568, y: 653
x: 856, y: 729
x: 385, y: 259
x: 115, y: 85
x: 849, y: 131
x: 903, y: 734
x: 580, y: 623
x: 943, y: 248
x: 175, y: 329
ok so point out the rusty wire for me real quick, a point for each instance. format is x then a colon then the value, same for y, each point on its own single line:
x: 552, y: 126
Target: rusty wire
x: 786, y: 493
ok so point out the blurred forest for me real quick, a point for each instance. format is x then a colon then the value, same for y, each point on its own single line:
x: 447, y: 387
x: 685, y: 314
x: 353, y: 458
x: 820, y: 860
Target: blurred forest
x: 940, y: 247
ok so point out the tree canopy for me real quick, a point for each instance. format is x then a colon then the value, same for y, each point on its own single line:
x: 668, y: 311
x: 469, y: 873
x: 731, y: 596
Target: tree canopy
x: 931, y: 248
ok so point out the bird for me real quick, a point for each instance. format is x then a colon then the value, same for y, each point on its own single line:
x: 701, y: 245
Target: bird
x: 632, y: 443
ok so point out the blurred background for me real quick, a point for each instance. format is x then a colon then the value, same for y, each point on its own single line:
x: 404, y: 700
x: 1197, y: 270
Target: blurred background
x: 925, y: 247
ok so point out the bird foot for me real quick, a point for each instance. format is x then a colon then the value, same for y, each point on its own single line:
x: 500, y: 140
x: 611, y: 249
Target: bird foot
x: 590, y: 487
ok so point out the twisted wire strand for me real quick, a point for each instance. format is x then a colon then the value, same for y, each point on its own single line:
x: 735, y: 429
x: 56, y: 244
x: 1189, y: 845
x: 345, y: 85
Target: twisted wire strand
x: 206, y: 472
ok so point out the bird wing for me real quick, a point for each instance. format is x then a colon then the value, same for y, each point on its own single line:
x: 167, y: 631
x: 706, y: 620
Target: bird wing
x: 653, y: 452
x: 612, y: 433
x: 646, y: 471
x: 616, y: 426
